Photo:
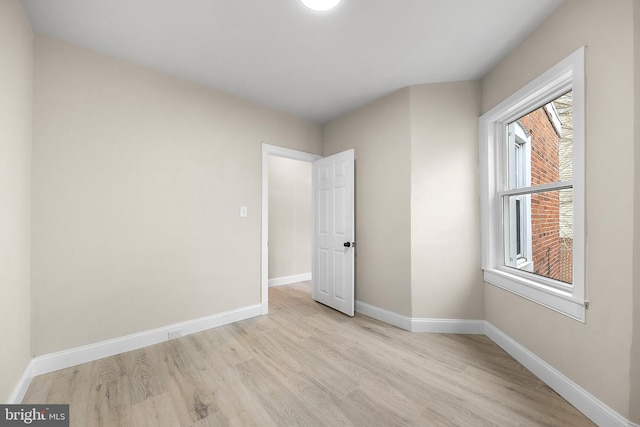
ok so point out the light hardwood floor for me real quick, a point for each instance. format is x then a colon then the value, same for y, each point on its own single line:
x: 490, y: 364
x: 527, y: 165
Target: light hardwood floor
x: 305, y: 364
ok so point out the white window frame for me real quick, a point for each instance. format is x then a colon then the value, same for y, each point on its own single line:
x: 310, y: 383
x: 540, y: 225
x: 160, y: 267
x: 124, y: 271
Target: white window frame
x: 520, y: 155
x: 568, y: 75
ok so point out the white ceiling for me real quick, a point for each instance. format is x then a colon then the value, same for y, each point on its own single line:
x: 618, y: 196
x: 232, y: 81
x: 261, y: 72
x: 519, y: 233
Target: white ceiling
x: 316, y: 65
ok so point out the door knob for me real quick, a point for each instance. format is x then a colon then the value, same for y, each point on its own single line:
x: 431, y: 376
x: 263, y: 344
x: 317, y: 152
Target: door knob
x: 347, y: 244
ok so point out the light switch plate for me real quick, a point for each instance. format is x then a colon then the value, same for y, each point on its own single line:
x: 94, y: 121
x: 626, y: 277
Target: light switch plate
x: 243, y: 212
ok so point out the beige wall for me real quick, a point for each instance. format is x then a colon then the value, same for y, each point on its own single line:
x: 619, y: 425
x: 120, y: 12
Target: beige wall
x: 406, y: 145
x: 634, y: 396
x: 445, y: 227
x: 16, y: 94
x: 289, y: 217
x: 596, y: 355
x: 380, y: 135
x: 138, y: 180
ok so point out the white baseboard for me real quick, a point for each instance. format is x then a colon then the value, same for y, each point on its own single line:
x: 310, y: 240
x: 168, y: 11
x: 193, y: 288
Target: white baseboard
x: 21, y: 388
x: 88, y: 353
x: 287, y: 280
x: 585, y: 402
x: 414, y: 324
x: 76, y: 356
x: 448, y: 326
x: 386, y: 316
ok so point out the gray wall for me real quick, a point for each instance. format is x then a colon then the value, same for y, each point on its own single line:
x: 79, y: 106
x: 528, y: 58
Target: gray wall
x: 16, y: 91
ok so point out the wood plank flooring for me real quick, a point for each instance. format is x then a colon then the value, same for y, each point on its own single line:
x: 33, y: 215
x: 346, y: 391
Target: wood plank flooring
x: 305, y: 364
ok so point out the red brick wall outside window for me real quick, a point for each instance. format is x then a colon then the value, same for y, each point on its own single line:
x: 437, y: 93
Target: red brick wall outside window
x: 551, y: 252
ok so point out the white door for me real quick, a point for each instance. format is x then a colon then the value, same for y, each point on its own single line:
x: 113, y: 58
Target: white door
x: 333, y: 231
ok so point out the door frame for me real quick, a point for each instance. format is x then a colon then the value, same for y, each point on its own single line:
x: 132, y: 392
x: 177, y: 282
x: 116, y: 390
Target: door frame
x: 273, y: 150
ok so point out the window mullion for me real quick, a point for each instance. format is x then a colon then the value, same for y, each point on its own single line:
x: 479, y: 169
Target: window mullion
x: 542, y: 188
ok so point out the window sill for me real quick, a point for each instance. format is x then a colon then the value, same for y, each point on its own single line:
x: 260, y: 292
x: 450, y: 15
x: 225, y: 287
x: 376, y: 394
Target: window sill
x: 555, y: 299
x: 525, y: 266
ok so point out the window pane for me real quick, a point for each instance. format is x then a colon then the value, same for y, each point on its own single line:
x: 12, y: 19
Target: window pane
x: 541, y: 145
x: 539, y: 231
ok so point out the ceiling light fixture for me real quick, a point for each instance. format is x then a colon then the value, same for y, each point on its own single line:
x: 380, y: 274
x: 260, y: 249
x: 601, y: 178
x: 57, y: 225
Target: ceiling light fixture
x: 320, y: 5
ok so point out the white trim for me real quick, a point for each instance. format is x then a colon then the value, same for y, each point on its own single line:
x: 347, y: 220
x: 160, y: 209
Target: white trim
x: 88, y: 353
x: 416, y: 324
x: 566, y: 75
x: 386, y: 316
x: 592, y: 407
x: 547, y: 296
x: 20, y: 390
x: 585, y: 402
x: 552, y: 113
x: 272, y: 150
x: 448, y: 326
x: 534, y: 189
x: 287, y: 280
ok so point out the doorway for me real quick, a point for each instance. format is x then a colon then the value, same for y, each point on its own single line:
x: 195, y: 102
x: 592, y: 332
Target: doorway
x: 274, y: 152
x: 290, y: 221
